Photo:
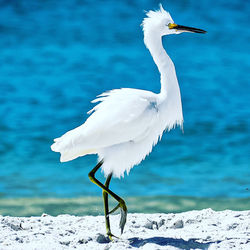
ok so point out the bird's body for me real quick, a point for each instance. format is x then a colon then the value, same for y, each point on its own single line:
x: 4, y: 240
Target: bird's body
x: 123, y: 128
x: 126, y: 123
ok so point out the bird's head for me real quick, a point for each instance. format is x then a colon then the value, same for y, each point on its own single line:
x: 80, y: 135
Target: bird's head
x: 160, y: 22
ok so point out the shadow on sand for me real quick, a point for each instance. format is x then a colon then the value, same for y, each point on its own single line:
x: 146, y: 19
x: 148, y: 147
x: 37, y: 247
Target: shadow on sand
x: 162, y: 241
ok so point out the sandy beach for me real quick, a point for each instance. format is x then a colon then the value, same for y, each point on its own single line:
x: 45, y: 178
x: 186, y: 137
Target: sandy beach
x: 205, y: 229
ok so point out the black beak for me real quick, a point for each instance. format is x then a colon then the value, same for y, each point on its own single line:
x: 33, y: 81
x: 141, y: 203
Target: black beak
x: 189, y: 29
x: 185, y: 28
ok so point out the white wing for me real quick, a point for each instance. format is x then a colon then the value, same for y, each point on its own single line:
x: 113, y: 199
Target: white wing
x: 122, y: 115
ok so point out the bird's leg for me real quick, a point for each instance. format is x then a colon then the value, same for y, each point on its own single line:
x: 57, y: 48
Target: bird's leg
x: 121, y: 204
x: 114, y: 209
x: 106, y: 207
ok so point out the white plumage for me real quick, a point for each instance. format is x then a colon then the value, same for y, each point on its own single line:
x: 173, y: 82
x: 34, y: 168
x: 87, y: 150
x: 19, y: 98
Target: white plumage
x: 126, y: 123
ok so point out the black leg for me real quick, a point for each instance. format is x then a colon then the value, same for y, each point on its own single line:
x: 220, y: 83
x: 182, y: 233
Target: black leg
x: 106, y: 205
x: 105, y: 189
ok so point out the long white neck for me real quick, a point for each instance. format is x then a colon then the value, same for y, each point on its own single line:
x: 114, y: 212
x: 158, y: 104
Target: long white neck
x: 169, y: 96
x: 165, y: 65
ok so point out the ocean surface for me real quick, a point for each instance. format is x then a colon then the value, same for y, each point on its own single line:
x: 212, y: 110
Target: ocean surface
x: 56, y: 56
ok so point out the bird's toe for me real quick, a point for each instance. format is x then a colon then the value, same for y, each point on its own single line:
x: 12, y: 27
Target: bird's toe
x: 124, y: 212
x: 111, y: 236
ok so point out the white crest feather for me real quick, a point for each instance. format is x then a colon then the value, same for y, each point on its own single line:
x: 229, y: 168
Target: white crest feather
x: 153, y: 17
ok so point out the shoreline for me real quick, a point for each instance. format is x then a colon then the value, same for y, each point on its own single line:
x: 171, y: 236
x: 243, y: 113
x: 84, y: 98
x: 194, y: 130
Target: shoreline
x: 198, y: 229
x: 93, y: 205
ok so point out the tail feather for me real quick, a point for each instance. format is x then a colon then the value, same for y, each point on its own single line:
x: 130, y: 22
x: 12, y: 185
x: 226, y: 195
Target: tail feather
x: 68, y: 149
x: 69, y: 155
x: 65, y: 142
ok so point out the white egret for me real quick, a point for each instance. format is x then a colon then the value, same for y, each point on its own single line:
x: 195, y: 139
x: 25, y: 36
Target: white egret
x: 127, y: 123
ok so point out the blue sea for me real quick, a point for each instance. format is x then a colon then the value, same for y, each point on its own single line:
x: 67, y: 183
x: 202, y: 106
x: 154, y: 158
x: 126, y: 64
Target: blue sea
x: 56, y: 56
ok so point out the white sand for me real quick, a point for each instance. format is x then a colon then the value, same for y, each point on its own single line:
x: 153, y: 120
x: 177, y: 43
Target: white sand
x: 205, y: 229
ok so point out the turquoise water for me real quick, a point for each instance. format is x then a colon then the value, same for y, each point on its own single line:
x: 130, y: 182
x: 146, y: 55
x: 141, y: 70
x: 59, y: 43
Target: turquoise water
x: 57, y: 56
x: 93, y: 205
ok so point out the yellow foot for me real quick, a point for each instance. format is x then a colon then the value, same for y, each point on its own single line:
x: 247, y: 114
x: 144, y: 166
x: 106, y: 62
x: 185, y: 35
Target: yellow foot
x: 124, y: 212
x: 111, y: 236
